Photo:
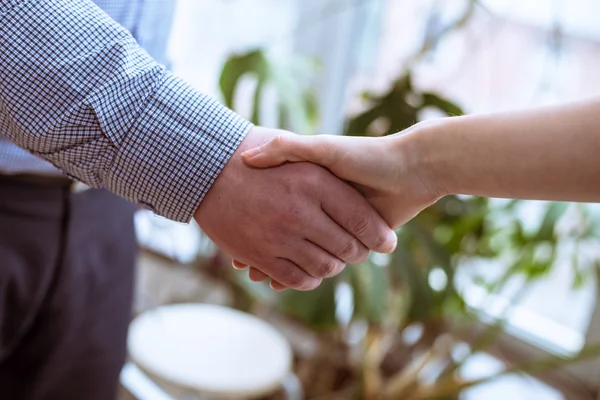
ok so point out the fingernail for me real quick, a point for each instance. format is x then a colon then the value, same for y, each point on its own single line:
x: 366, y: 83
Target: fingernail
x: 277, y: 289
x: 251, y: 152
x: 392, y: 240
x: 238, y: 265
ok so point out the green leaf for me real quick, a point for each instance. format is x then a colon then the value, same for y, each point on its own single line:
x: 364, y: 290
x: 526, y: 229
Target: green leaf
x: 312, y: 107
x: 255, y: 119
x: 413, y: 278
x: 438, y: 252
x: 296, y: 107
x: 518, y: 236
x: 444, y: 105
x: 554, y: 211
x: 527, y: 266
x: 579, y: 279
x: 253, y: 63
x: 359, y: 125
x: 579, y: 275
x: 404, y: 83
x: 400, y: 106
x: 370, y: 285
x: 293, y: 98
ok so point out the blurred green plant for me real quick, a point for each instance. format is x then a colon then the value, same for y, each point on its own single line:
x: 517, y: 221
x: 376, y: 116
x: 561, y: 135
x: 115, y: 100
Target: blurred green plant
x: 397, y: 109
x: 415, y: 288
x: 416, y: 285
x: 295, y: 104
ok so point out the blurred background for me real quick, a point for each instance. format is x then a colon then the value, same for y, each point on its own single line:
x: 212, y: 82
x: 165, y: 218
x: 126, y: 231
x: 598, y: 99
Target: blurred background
x: 484, y: 298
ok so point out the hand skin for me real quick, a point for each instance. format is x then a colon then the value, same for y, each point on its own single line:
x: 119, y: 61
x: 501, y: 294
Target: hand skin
x: 296, y: 223
x: 377, y: 167
x: 549, y: 153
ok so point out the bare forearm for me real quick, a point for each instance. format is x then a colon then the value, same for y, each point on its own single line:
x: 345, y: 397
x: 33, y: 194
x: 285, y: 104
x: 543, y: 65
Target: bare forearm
x: 550, y: 153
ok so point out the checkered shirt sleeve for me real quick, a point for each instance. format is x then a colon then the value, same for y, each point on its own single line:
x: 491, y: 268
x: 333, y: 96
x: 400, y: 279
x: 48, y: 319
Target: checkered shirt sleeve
x: 77, y: 90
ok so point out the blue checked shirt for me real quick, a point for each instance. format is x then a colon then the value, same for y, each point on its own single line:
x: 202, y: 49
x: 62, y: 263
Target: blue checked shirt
x: 78, y: 90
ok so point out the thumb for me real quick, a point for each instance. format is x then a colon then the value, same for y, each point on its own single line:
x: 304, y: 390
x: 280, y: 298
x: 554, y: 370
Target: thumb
x: 292, y: 148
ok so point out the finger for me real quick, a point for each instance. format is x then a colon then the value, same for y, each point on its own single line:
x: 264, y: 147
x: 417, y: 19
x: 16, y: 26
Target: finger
x: 238, y: 264
x: 256, y: 275
x: 325, y: 233
x: 316, y: 261
x: 362, y: 160
x: 277, y: 286
x: 288, y: 148
x: 350, y: 210
x: 288, y: 274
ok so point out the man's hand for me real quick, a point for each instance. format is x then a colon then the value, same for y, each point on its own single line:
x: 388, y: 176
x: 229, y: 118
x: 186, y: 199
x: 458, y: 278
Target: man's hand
x: 296, y: 223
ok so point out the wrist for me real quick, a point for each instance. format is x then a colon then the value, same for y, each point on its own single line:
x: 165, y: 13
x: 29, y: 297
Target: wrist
x: 233, y: 171
x: 424, y: 151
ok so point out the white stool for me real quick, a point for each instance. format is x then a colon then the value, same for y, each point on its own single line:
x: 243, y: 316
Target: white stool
x: 204, y: 351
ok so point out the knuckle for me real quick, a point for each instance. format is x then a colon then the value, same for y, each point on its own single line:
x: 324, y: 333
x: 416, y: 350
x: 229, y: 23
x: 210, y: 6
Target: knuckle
x: 361, y: 225
x: 311, y: 178
x: 329, y: 268
x: 349, y: 250
x: 310, y: 284
x: 302, y: 281
x: 362, y: 256
x: 278, y: 142
x: 295, y: 280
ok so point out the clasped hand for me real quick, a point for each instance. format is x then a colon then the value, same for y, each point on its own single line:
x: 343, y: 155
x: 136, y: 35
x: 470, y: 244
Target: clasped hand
x: 297, y: 223
x: 379, y: 168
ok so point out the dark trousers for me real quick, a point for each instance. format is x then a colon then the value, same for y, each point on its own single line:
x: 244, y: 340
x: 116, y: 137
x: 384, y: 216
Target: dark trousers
x: 66, y: 278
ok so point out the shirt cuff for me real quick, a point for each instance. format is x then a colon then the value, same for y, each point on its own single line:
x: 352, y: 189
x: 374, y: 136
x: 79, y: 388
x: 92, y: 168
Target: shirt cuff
x: 177, y: 147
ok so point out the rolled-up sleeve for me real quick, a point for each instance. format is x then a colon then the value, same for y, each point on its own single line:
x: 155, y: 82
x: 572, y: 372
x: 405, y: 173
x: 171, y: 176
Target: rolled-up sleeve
x: 77, y: 90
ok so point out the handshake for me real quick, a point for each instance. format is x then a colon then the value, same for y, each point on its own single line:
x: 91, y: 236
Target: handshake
x: 297, y: 209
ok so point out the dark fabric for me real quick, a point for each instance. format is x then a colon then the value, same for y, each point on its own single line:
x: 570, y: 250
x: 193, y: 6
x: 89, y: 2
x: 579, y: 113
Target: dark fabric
x: 66, y: 283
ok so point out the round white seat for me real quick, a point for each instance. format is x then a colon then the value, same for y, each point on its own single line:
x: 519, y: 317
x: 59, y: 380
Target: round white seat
x: 210, y: 349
